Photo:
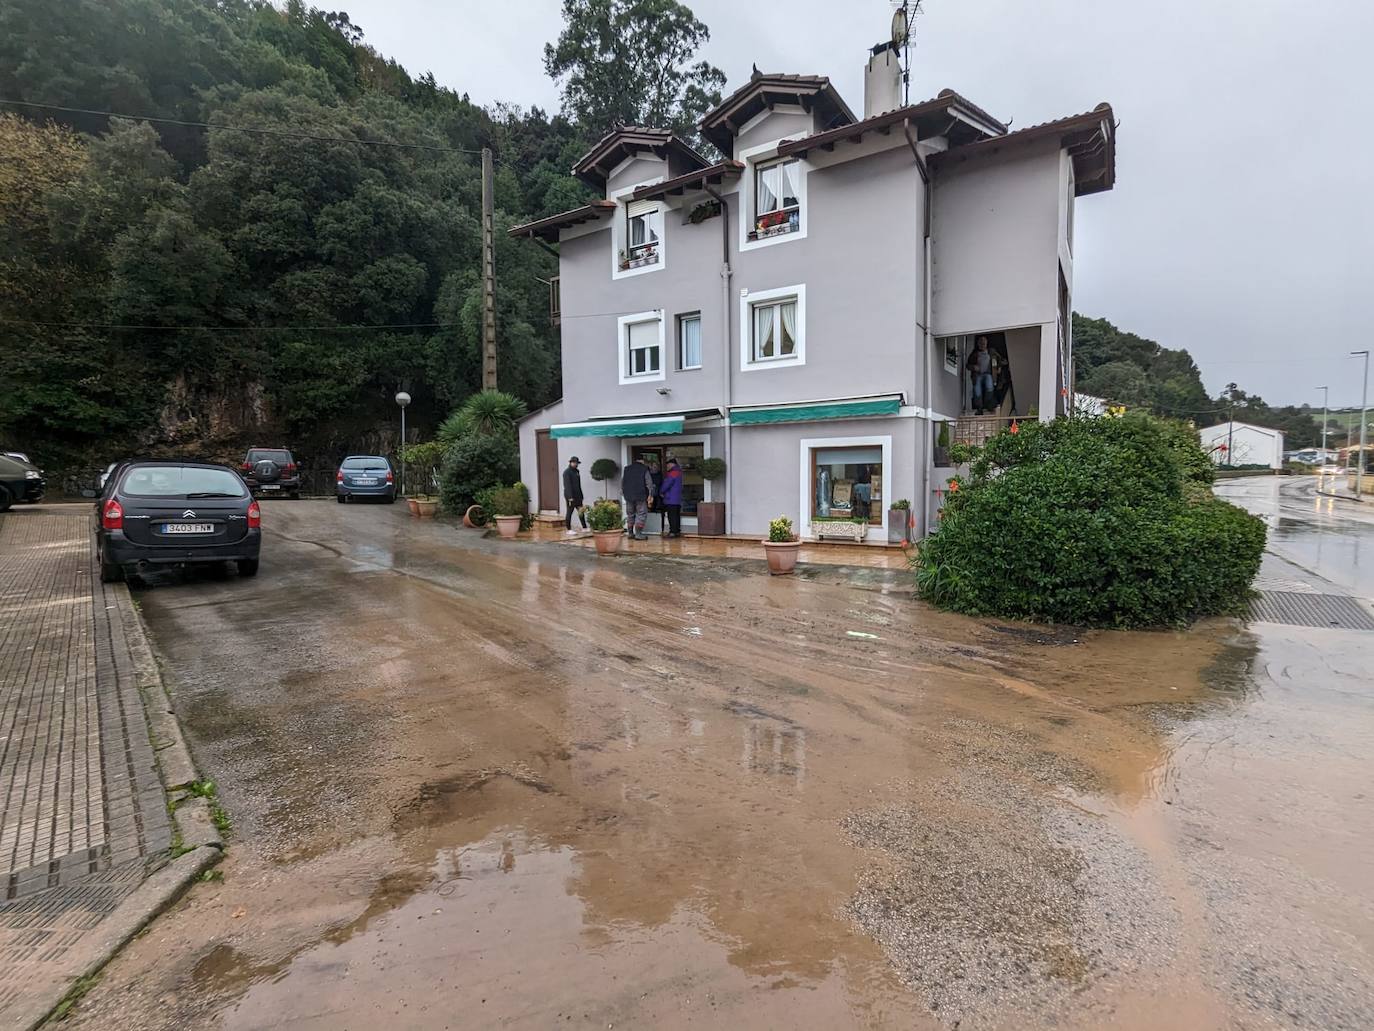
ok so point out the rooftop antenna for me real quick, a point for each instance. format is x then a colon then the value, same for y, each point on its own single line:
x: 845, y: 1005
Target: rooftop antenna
x: 903, y: 14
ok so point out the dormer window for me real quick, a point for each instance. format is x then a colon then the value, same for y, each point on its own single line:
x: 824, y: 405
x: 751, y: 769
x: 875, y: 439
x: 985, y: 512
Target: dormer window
x: 777, y: 202
x: 643, y: 234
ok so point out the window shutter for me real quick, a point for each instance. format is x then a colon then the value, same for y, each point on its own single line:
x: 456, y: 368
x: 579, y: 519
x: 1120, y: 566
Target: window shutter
x: 641, y: 207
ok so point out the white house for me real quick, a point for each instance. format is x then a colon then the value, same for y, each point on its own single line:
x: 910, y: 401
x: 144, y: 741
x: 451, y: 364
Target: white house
x: 1240, y: 443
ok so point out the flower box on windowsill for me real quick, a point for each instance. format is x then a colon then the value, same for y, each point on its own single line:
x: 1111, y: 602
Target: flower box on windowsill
x: 775, y: 223
x: 639, y: 260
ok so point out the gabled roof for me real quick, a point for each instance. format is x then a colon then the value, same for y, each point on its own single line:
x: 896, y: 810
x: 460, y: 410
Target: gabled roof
x: 698, y: 180
x: 1090, y: 139
x: 948, y: 115
x: 813, y: 92
x: 626, y: 141
x: 547, y: 228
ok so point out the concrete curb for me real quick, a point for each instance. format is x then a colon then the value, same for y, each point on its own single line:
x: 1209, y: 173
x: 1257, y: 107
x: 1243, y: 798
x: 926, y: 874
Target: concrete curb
x: 192, y: 817
x: 153, y: 896
x: 1340, y: 497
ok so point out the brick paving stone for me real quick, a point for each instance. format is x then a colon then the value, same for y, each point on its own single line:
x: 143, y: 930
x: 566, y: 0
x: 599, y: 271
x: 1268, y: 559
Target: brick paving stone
x: 82, y: 809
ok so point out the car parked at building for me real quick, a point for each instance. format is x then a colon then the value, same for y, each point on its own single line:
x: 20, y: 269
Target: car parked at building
x: 19, y: 481
x: 175, y: 513
x: 365, y: 476
x: 271, y: 470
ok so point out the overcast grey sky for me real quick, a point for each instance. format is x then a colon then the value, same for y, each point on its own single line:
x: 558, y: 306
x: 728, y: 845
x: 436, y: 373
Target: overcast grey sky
x: 1242, y: 223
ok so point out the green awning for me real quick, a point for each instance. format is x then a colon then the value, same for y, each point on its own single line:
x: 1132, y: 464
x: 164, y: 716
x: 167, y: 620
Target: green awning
x: 651, y: 427
x: 816, y: 410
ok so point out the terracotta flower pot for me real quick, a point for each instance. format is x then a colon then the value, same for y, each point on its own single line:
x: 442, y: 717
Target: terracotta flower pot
x: 608, y: 541
x: 474, y: 517
x: 426, y: 509
x: 782, y: 556
x: 414, y: 507
x: 507, y: 526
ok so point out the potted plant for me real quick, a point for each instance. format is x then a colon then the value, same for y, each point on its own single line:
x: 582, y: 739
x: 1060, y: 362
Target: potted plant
x: 604, y: 469
x: 711, y: 514
x: 508, y: 506
x: 781, y: 547
x: 899, y: 522
x: 942, y: 445
x: 423, y: 505
x: 606, y: 520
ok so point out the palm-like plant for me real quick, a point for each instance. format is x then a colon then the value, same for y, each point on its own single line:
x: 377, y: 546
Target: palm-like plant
x: 490, y: 413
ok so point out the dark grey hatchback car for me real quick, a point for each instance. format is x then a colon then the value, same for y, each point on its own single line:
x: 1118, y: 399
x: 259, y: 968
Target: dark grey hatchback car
x: 174, y: 513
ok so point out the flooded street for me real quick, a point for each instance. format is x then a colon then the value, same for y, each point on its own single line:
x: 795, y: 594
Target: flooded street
x: 479, y: 784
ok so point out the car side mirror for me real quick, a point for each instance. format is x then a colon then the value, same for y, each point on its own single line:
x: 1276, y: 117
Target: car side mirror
x: 87, y: 492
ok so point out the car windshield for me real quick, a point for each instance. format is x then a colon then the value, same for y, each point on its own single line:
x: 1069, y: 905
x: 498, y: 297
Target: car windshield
x: 280, y: 457
x: 168, y: 481
x: 364, y: 463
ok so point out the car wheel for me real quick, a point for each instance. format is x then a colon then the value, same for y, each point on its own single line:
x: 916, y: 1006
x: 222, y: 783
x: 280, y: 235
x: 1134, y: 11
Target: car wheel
x: 110, y: 572
x: 391, y: 499
x: 248, y: 566
x: 343, y: 498
x: 6, y: 499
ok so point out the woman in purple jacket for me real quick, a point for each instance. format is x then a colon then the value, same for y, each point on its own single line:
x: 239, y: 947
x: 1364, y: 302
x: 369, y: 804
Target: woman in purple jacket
x: 672, y: 497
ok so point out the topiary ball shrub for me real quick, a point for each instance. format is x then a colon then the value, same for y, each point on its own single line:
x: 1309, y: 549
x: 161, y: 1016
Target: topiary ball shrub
x: 1094, y: 522
x: 473, y: 465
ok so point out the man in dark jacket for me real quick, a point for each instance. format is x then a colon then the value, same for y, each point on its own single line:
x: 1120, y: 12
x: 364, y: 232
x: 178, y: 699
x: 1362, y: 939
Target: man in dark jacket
x: 636, y: 487
x: 572, y: 494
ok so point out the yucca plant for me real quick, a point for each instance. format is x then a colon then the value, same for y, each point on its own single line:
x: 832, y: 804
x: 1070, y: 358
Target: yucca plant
x: 490, y: 413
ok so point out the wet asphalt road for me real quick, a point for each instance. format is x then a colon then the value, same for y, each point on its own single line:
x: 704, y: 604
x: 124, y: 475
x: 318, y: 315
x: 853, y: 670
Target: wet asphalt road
x: 479, y: 784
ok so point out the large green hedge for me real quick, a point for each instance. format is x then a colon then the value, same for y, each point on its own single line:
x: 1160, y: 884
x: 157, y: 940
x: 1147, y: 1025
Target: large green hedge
x: 1091, y: 521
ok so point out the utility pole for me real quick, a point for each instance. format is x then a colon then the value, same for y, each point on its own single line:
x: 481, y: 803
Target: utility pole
x: 1326, y: 398
x: 1364, y: 411
x: 488, y: 274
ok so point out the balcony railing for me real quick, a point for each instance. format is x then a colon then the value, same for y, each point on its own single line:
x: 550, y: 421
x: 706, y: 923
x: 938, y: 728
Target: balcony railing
x: 979, y: 429
x: 555, y: 302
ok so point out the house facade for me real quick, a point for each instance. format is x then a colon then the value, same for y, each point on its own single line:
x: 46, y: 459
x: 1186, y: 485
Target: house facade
x: 805, y: 308
x: 1240, y: 443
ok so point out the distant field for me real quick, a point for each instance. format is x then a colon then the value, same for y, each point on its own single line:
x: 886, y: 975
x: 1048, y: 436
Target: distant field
x: 1348, y: 418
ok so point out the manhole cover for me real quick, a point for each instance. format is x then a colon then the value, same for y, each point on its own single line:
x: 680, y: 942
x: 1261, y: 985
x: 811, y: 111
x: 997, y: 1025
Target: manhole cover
x: 1324, y: 610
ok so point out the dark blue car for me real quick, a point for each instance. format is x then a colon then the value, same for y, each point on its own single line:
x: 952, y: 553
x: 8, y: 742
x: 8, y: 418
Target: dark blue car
x: 365, y: 476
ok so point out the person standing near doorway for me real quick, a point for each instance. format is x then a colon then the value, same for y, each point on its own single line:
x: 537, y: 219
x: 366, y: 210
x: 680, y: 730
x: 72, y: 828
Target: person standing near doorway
x: 572, y: 494
x: 636, y: 487
x: 671, y: 496
x: 982, y: 370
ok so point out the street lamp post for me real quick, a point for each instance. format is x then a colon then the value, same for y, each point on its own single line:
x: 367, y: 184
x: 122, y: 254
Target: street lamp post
x: 403, y: 399
x: 1364, y: 406
x: 1326, y: 397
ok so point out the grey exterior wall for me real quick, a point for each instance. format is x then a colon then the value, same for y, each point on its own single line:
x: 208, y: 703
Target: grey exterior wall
x: 529, y: 463
x: 781, y: 125
x: 995, y: 240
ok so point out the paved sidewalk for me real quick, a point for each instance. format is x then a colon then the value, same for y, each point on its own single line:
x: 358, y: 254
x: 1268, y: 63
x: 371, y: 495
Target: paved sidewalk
x: 83, y: 814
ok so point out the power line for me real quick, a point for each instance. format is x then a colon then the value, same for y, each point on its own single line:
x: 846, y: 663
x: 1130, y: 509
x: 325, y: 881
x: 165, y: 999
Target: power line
x: 241, y: 128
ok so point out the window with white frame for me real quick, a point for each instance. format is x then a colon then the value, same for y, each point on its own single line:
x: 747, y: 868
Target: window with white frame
x: 773, y: 334
x: 777, y: 198
x: 643, y: 233
x: 641, y: 347
x: 689, y: 341
x: 772, y: 328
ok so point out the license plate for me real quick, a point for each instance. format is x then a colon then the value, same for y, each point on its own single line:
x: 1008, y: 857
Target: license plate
x: 365, y: 481
x: 188, y: 527
x: 271, y: 486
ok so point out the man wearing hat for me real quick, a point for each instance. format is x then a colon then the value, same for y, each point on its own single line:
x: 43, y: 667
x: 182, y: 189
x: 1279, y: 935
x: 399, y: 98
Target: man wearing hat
x: 572, y: 494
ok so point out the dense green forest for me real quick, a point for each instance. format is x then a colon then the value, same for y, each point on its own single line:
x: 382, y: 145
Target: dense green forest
x: 1127, y: 369
x: 175, y: 288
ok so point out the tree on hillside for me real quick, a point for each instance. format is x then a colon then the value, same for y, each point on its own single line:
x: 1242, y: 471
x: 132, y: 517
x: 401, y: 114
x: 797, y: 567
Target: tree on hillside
x: 631, y: 61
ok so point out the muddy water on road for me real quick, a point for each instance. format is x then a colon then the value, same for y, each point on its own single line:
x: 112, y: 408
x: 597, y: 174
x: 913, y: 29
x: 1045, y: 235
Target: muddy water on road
x: 479, y: 786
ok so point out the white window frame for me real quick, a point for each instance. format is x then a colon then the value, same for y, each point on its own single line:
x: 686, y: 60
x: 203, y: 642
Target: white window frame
x: 748, y: 300
x: 753, y: 157
x: 652, y: 213
x: 682, y: 365
x: 875, y: 534
x: 623, y: 325
x: 960, y: 340
x: 620, y: 232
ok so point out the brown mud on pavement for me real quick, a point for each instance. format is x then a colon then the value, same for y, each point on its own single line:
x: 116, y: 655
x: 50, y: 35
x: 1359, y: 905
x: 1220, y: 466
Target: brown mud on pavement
x: 481, y: 785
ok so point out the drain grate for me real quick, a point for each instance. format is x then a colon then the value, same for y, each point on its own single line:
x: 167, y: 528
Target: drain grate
x: 1334, y: 611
